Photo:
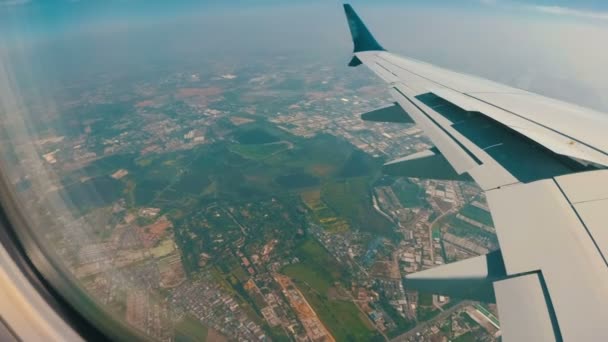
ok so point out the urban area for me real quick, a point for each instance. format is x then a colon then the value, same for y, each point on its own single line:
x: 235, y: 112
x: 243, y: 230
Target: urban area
x: 251, y: 204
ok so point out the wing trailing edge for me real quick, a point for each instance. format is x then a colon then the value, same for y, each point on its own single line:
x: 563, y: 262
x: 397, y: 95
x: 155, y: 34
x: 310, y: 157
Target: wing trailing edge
x: 471, y: 278
x: 427, y: 164
x: 392, y: 113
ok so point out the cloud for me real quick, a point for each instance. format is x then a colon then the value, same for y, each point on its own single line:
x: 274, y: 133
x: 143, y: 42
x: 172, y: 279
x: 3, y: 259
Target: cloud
x: 14, y: 2
x: 566, y: 11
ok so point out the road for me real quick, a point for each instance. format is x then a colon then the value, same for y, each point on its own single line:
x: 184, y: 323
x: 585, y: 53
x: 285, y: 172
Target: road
x: 243, y: 228
x: 424, y: 325
x: 437, y: 304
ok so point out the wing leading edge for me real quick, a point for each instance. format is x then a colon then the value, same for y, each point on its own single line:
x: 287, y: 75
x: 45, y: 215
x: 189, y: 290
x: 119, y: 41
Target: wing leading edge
x: 541, y: 163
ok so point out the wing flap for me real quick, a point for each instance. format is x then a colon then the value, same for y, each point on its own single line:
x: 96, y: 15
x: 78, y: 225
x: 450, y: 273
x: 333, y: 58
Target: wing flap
x: 459, y: 158
x: 585, y: 187
x: 584, y: 127
x: 543, y: 135
x: 595, y: 216
x: 538, y: 231
x: 587, y: 193
x: 428, y: 164
x: 497, y: 155
x: 392, y: 113
x: 471, y: 278
x: 523, y: 310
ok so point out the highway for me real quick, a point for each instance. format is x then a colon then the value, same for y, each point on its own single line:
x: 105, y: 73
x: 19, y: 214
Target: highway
x: 424, y: 325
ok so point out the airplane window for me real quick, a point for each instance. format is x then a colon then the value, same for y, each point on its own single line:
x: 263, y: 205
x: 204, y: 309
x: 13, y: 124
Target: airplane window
x: 202, y: 172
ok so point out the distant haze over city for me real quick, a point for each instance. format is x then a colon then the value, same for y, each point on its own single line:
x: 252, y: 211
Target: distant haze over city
x: 549, y: 47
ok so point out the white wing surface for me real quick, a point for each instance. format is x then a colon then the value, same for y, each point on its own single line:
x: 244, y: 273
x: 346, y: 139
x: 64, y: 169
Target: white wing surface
x: 541, y: 163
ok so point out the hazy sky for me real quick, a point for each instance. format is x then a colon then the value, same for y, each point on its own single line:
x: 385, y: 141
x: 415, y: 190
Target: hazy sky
x: 50, y: 15
x: 557, y: 48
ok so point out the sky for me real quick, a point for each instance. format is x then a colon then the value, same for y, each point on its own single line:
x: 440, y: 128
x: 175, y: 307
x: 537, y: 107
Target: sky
x: 40, y: 16
x: 550, y: 47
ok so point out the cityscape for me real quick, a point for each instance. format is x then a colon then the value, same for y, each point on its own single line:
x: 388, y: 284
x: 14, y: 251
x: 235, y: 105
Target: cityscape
x: 249, y: 204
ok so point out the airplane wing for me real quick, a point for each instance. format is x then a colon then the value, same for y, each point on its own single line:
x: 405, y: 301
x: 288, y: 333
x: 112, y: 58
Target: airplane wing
x: 542, y: 164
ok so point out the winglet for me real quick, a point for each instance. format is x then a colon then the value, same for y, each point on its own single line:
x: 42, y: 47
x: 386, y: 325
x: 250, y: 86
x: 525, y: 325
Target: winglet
x: 362, y: 38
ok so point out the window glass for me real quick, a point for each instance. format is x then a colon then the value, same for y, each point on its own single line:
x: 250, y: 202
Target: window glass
x: 202, y: 173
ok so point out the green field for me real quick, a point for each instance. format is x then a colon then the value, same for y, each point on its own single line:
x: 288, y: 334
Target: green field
x: 425, y: 313
x: 239, y: 273
x: 466, y: 337
x: 297, y: 180
x: 238, y: 171
x: 93, y: 193
x: 464, y: 229
x: 318, y: 279
x: 461, y: 226
x: 425, y: 299
x: 258, y: 151
x: 409, y: 194
x: 322, y: 156
x: 255, y: 136
x: 342, y: 318
x: 316, y: 267
x: 321, y: 213
x: 189, y: 329
x: 358, y: 164
x: 351, y: 199
x: 477, y: 214
x: 315, y: 275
